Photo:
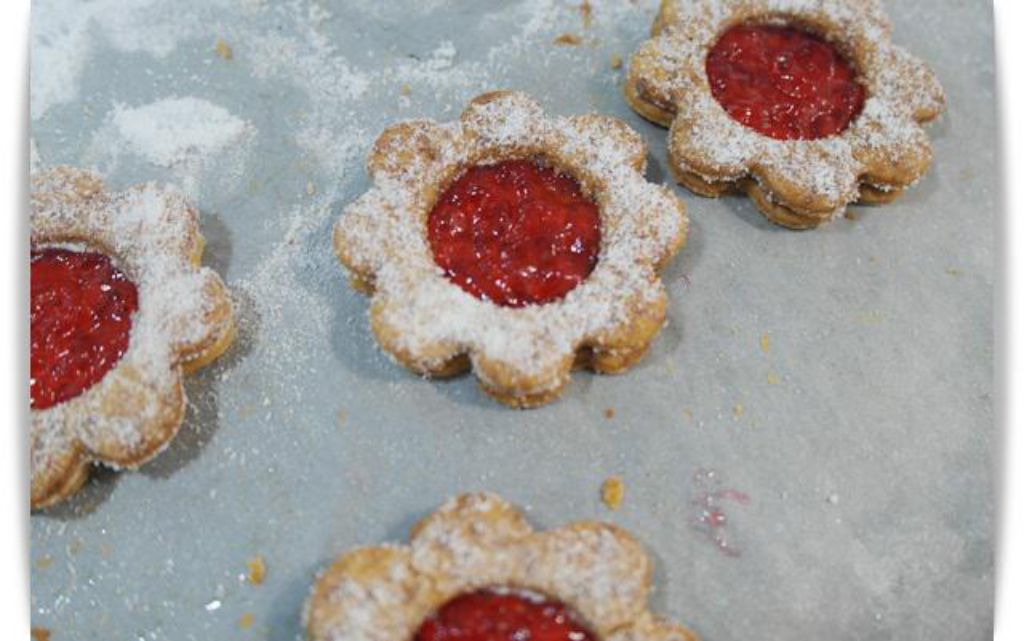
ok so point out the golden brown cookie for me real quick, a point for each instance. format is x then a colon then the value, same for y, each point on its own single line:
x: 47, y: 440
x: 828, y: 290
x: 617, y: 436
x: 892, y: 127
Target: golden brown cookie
x: 479, y: 544
x: 121, y: 309
x: 866, y: 145
x: 434, y: 322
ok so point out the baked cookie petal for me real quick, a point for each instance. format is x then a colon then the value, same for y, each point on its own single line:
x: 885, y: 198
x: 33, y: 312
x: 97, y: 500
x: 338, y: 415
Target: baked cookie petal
x: 607, y: 144
x: 503, y: 119
x: 609, y: 594
x: 408, y: 151
x: 815, y: 178
x: 895, y: 151
x: 909, y: 83
x: 370, y: 594
x: 704, y: 140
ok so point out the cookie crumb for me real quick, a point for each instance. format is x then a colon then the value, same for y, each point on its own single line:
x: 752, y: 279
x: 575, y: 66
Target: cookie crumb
x: 44, y: 561
x: 773, y: 378
x: 737, y: 411
x: 40, y: 634
x: 310, y: 188
x: 587, y: 12
x: 688, y: 413
x: 616, y: 61
x: 568, y: 39
x: 612, y: 492
x: 223, y: 50
x: 609, y: 413
x: 766, y: 343
x: 953, y: 271
x: 246, y: 621
x: 342, y: 416
x: 257, y: 570
x: 406, y: 90
x: 851, y: 215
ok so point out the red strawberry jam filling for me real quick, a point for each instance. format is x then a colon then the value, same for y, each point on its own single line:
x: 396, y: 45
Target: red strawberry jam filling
x: 81, y: 316
x: 784, y: 83
x: 503, y: 615
x: 515, y: 233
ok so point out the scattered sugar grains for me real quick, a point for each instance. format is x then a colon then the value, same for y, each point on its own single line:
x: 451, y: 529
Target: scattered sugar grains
x: 65, y: 35
x: 613, y: 490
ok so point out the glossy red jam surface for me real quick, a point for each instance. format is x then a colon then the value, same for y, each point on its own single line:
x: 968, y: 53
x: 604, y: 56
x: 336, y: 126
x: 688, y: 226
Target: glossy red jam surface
x: 81, y: 317
x: 500, y: 615
x: 515, y: 233
x: 784, y: 83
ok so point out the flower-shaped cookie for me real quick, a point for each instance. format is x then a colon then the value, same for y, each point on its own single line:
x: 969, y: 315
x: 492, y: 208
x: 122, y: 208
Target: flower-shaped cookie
x: 120, y: 308
x: 805, y: 105
x: 595, y: 574
x: 550, y: 236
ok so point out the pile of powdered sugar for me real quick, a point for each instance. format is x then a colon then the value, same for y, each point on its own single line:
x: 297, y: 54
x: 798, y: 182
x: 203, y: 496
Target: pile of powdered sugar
x: 183, y: 134
x: 174, y: 131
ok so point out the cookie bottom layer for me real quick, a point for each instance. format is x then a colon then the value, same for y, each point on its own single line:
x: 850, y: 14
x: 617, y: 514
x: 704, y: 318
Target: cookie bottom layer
x: 774, y: 211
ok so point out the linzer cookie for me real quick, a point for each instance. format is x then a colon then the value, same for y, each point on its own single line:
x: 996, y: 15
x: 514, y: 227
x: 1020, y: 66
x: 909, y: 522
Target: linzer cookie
x: 120, y: 308
x: 475, y: 570
x: 512, y: 243
x: 805, y: 106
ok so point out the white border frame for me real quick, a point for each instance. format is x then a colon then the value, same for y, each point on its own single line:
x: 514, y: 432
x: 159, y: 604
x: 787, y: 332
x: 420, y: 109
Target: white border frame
x: 1009, y: 316
x: 14, y: 243
x: 14, y: 601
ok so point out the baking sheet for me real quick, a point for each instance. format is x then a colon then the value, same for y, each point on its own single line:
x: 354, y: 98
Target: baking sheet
x: 841, y: 379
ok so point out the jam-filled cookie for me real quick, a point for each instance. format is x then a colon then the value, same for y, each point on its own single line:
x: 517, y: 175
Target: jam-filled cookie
x: 513, y: 243
x: 805, y: 106
x: 120, y: 308
x: 475, y: 570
